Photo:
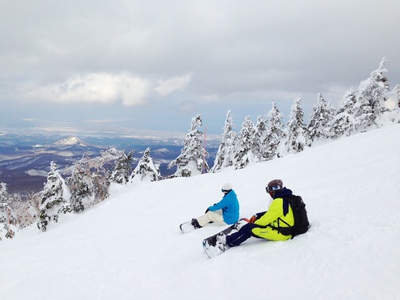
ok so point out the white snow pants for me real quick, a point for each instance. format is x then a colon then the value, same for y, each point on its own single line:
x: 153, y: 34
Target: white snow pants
x: 211, y: 216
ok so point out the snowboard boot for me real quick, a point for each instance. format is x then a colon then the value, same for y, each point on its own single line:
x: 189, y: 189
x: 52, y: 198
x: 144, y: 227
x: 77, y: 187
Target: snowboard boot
x: 221, y: 242
x: 195, y: 224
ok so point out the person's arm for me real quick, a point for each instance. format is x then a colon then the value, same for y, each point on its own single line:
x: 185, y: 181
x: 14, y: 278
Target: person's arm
x: 221, y: 204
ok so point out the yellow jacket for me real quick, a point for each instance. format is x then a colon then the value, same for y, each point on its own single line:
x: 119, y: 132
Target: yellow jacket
x: 272, y: 220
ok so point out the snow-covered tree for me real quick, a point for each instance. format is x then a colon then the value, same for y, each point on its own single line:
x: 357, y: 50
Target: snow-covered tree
x: 146, y: 170
x: 55, y: 198
x: 225, y: 154
x: 8, y: 218
x: 296, y: 130
x: 123, y: 168
x: 81, y: 187
x: 275, y: 134
x: 192, y: 160
x: 396, y: 109
x: 320, y: 118
x: 26, y: 210
x: 5, y: 197
x: 259, y: 138
x: 243, y: 153
x: 343, y: 122
x: 371, y: 99
x: 91, y: 176
x: 8, y: 221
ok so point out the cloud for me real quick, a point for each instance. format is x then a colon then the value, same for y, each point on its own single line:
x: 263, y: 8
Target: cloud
x: 173, y: 84
x: 103, y: 88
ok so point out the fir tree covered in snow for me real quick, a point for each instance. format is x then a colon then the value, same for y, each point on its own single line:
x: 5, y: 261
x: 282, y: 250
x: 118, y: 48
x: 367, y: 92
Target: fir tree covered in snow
x: 244, y: 148
x: 343, y: 122
x: 396, y: 109
x: 226, y: 151
x: 296, y: 130
x: 8, y: 221
x: 192, y: 160
x: 5, y: 197
x: 320, y: 118
x: 275, y: 134
x: 81, y: 188
x: 146, y: 170
x: 260, y: 138
x: 55, y: 198
x: 397, y: 94
x: 123, y: 168
x: 8, y: 218
x: 371, y: 99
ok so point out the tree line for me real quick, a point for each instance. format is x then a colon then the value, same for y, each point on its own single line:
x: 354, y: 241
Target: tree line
x: 91, y: 177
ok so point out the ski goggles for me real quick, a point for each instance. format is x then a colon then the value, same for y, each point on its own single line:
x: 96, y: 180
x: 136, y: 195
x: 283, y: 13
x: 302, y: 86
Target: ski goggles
x: 272, y: 188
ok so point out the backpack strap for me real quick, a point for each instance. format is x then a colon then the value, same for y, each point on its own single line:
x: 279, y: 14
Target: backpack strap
x: 285, y: 206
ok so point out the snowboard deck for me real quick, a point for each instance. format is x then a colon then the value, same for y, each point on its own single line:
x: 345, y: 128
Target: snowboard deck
x: 187, y: 227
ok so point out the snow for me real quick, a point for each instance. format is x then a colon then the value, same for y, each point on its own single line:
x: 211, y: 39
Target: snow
x: 130, y: 246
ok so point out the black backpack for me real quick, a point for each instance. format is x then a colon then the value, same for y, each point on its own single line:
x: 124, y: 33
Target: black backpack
x: 301, y: 223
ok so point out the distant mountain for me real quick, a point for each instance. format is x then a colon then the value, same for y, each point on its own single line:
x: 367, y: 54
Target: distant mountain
x: 70, y: 141
x: 25, y: 160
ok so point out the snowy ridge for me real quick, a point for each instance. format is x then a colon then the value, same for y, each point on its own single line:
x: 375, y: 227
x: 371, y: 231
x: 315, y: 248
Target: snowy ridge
x: 130, y: 246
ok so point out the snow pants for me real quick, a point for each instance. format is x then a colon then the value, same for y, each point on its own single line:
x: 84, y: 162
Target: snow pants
x: 211, y: 216
x: 235, y: 239
x: 252, y: 230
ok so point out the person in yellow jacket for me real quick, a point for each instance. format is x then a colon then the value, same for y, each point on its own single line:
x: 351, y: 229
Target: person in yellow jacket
x: 273, y: 225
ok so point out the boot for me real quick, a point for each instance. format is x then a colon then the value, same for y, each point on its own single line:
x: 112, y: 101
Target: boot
x: 195, y: 223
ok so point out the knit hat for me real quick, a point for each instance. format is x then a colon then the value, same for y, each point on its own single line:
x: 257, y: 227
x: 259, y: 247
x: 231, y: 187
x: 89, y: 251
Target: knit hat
x: 226, y: 187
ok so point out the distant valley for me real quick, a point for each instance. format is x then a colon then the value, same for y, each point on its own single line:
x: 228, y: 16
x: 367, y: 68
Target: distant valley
x: 25, y: 160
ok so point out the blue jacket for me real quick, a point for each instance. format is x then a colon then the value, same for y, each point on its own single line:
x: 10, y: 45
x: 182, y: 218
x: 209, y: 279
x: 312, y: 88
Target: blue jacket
x: 230, y: 207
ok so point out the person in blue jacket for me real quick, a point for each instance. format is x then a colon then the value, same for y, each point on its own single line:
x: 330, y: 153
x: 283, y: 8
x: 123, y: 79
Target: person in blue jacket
x: 224, y: 212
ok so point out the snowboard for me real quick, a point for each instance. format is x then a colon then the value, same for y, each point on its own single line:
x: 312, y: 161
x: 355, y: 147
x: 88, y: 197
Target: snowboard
x: 216, y: 244
x: 187, y: 227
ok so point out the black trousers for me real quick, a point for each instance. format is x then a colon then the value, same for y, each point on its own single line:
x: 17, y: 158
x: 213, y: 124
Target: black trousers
x: 235, y: 239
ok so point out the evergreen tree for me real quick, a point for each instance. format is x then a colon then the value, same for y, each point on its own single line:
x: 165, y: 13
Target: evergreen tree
x: 296, y: 129
x: 5, y: 197
x: 371, y: 99
x: 397, y: 93
x: 8, y: 221
x: 146, y: 170
x: 260, y: 139
x: 244, y: 154
x: 81, y: 188
x: 55, y: 198
x: 192, y: 160
x: 275, y: 134
x: 8, y: 218
x: 343, y: 122
x: 225, y: 154
x: 396, y: 109
x: 319, y: 120
x: 123, y: 168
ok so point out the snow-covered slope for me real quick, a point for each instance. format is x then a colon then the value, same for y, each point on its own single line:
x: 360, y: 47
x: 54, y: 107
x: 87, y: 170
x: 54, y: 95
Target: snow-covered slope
x: 130, y: 246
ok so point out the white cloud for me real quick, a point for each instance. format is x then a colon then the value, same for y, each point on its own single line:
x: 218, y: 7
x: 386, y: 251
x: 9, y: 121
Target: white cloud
x: 173, y: 84
x: 104, y: 88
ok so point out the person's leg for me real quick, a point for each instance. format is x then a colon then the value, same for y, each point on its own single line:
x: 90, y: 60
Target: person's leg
x: 235, y: 239
x: 211, y: 216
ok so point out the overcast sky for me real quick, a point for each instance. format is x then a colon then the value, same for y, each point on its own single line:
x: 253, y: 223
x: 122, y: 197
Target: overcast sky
x: 121, y: 66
